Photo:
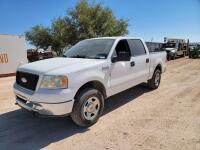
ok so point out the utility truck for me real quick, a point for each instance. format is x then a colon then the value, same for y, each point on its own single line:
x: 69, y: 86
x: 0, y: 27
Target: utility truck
x: 175, y: 47
x: 90, y: 72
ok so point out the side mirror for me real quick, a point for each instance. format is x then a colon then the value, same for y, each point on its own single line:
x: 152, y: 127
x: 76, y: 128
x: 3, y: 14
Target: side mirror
x: 122, y: 56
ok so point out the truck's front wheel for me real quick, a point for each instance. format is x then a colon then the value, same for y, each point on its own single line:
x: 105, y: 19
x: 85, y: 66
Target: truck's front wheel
x: 88, y: 107
x: 173, y: 57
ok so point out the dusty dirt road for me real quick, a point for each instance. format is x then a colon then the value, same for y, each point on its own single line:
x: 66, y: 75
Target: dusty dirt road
x: 167, y: 118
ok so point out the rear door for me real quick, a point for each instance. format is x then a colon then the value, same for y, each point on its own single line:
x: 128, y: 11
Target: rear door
x: 141, y: 60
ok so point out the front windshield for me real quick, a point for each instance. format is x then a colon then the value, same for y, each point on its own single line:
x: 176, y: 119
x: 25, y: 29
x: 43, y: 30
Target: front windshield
x: 169, y: 45
x: 93, y: 49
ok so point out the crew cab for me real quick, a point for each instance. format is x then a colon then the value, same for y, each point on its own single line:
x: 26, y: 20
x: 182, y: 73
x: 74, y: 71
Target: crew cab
x: 89, y: 72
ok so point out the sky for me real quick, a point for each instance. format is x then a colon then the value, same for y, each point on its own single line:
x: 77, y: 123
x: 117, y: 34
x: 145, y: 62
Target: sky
x: 150, y: 19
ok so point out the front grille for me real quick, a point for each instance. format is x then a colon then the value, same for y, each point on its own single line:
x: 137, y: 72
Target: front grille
x: 27, y: 80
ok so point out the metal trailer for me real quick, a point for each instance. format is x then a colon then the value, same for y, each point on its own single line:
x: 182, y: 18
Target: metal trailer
x: 12, y: 53
x: 176, y: 47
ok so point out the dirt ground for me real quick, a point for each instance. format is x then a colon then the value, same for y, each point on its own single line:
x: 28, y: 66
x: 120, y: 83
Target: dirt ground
x: 167, y: 118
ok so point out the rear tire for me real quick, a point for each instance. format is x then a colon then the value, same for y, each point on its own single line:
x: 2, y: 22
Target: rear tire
x: 154, y: 82
x: 88, y: 107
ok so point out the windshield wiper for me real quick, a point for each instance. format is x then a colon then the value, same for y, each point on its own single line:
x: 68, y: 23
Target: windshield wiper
x: 96, y: 57
x: 77, y: 56
x: 82, y: 56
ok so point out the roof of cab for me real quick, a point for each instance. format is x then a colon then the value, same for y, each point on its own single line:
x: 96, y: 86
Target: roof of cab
x: 117, y: 37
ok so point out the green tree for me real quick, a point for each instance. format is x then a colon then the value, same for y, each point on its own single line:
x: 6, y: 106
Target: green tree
x: 39, y: 36
x: 84, y: 21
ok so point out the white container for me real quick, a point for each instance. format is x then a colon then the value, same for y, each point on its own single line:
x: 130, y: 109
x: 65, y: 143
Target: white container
x: 12, y: 53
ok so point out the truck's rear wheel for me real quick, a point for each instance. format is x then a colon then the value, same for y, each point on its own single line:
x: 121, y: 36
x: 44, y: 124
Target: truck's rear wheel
x: 154, y: 82
x: 88, y: 107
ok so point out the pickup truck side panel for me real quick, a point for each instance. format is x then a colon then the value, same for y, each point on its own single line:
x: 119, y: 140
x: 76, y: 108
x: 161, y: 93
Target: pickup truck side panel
x: 123, y: 75
x: 155, y: 61
x: 98, y: 73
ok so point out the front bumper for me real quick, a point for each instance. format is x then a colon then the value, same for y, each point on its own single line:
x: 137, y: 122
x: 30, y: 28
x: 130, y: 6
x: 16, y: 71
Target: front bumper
x: 53, y: 107
x: 58, y: 109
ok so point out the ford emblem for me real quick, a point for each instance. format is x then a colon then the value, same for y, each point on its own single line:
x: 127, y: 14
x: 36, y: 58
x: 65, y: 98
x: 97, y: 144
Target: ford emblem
x: 24, y: 80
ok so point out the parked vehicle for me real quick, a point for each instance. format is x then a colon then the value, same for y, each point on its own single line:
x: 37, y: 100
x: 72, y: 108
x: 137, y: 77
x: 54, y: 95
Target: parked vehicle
x: 90, y: 72
x: 194, y: 52
x: 12, y: 54
x: 154, y: 46
x: 38, y: 54
x: 175, y: 48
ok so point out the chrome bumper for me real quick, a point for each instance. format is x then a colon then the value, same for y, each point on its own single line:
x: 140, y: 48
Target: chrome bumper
x: 58, y: 109
x: 26, y: 106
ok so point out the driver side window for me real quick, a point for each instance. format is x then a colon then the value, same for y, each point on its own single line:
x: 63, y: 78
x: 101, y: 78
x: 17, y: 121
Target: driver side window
x: 122, y: 46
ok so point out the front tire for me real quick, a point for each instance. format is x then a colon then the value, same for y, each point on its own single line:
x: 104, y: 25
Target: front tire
x: 173, y: 57
x: 168, y: 57
x: 88, y: 107
x: 154, y: 82
x: 184, y: 54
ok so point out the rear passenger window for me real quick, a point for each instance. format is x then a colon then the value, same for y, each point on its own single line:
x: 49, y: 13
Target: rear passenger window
x: 136, y: 47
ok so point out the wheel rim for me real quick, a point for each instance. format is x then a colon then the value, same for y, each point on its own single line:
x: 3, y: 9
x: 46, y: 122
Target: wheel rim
x: 157, y: 79
x: 91, y: 108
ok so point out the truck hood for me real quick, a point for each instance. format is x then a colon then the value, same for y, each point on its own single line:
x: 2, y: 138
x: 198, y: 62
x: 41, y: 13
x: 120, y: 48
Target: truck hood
x: 67, y: 65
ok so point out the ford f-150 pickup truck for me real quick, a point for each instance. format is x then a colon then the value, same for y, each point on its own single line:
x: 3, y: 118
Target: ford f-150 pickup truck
x: 89, y: 72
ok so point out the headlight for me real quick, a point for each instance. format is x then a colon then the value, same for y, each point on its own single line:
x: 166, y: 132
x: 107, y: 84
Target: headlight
x: 173, y: 51
x: 54, y: 82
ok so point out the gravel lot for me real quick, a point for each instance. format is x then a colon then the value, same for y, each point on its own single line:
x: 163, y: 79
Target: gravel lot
x: 167, y: 118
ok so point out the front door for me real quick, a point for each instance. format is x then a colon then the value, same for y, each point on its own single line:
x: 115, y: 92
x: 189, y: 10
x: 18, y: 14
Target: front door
x: 120, y: 75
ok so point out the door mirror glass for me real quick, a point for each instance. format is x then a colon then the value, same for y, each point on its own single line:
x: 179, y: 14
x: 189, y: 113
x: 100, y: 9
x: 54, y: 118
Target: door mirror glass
x: 121, y: 56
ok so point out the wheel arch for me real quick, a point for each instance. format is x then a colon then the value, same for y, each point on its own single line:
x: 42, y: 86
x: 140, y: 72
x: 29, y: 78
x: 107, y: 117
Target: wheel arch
x: 94, y: 84
x: 159, y: 67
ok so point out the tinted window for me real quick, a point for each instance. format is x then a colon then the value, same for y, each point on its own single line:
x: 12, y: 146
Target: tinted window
x: 137, y: 47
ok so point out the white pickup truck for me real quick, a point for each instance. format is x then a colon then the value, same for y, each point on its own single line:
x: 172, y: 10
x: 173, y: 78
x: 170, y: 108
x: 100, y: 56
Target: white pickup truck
x: 91, y: 71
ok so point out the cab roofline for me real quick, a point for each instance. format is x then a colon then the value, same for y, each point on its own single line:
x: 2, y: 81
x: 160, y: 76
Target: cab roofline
x: 115, y: 38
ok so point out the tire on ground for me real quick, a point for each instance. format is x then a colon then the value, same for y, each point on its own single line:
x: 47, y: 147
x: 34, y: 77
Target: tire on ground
x: 77, y: 114
x: 152, y: 84
x: 173, y: 57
